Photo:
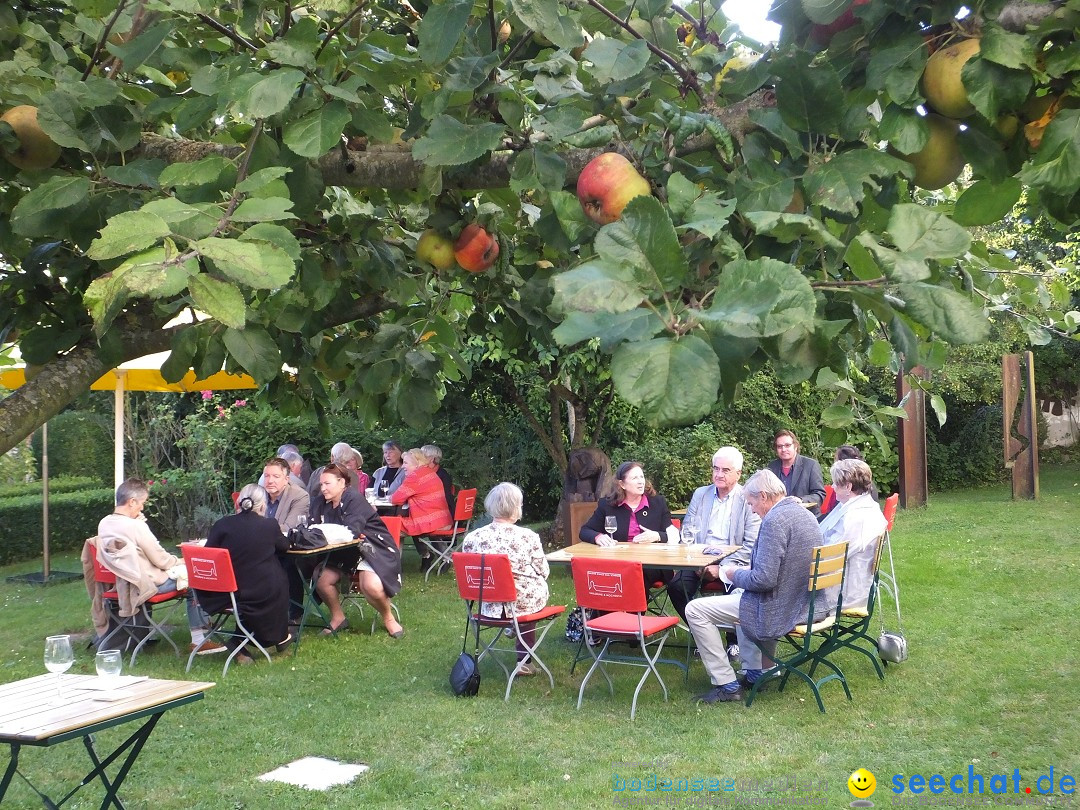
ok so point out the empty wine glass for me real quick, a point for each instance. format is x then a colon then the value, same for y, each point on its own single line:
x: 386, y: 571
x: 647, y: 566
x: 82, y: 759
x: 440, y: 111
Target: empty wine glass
x: 109, y: 664
x: 58, y: 658
x: 688, y: 534
x: 611, y: 525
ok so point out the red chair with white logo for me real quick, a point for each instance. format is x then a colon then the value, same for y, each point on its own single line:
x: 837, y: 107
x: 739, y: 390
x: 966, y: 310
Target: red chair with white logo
x: 616, y: 587
x: 498, y: 581
x: 211, y: 569
x: 464, y: 506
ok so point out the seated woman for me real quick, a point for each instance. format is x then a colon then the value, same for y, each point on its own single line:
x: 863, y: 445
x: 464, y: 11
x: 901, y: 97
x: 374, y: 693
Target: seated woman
x: 640, y: 515
x: 857, y: 519
x: 380, y: 568
x: 422, y: 490
x: 527, y: 562
x: 388, y: 478
x: 844, y: 451
x: 253, y: 541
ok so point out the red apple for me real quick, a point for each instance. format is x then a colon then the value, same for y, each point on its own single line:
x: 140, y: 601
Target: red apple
x: 476, y: 250
x: 607, y: 184
x: 823, y: 34
x: 435, y: 249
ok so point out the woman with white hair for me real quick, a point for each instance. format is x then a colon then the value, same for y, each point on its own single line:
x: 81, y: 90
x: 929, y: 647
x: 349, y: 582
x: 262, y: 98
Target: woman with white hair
x: 527, y: 561
x: 253, y: 542
x: 856, y: 518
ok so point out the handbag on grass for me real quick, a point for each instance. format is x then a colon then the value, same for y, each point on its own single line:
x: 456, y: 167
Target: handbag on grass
x: 893, y: 646
x: 465, y: 674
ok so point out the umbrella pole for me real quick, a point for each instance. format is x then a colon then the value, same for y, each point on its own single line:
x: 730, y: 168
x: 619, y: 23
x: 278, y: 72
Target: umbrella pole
x: 45, y: 500
x: 118, y: 428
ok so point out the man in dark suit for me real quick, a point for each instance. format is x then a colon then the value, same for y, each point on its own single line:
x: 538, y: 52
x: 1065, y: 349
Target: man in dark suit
x: 800, y: 475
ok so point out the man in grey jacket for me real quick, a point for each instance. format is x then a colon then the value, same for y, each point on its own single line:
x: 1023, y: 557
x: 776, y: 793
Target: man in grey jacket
x: 719, y: 515
x: 770, y: 596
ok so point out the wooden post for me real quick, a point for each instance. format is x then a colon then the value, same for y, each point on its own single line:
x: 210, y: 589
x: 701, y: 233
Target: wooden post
x: 1022, y: 445
x: 911, y: 441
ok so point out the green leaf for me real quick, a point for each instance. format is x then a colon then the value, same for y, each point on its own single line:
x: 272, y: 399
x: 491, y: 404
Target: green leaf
x: 596, y: 286
x: 837, y: 416
x: 54, y: 194
x: 955, y: 317
x: 992, y: 88
x: 538, y: 167
x: 319, y: 131
x: 220, y: 300
x: 644, y: 239
x: 192, y: 221
x: 469, y: 72
x: 615, y: 61
x: 1056, y: 165
x: 787, y: 228
x: 297, y: 54
x: 904, y: 129
x: 985, y: 202
x: 940, y: 411
x: 263, y: 209
x: 922, y: 233
x: 898, y: 68
x: 138, y: 50
x: 256, y: 181
x: 761, y: 187
x: 104, y: 299
x: 611, y: 327
x: 440, y: 29
x: 255, y: 351
x: 842, y: 183
x: 270, y: 94
x: 275, y: 235
x: 450, y: 142
x: 760, y: 298
x: 1005, y: 48
x: 897, y: 265
x: 136, y: 173
x: 254, y: 264
x: 810, y: 98
x: 693, y: 207
x: 824, y: 12
x: 203, y: 172
x: 673, y: 382
x: 880, y: 354
x: 571, y: 218
x: 126, y: 233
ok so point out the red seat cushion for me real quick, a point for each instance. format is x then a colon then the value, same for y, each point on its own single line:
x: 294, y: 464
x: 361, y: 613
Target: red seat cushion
x: 110, y: 595
x: 713, y: 586
x: 165, y: 597
x: 619, y: 623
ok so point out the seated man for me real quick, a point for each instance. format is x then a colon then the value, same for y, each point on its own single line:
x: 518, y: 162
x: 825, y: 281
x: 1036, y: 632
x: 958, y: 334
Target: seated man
x: 856, y: 518
x: 800, y: 475
x: 288, y: 502
x: 720, y: 515
x: 128, y: 548
x: 770, y: 596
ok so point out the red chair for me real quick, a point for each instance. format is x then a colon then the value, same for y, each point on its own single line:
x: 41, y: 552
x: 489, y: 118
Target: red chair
x: 464, y: 505
x: 830, y: 500
x: 494, y: 571
x: 890, y: 509
x: 616, y: 587
x: 211, y: 569
x: 887, y: 579
x: 355, y: 596
x: 141, y: 627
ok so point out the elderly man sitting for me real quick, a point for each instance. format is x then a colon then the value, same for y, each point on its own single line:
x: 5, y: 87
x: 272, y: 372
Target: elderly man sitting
x: 857, y: 519
x: 770, y: 596
x: 719, y: 515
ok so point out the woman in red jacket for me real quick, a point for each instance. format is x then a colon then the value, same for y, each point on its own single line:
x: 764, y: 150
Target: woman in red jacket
x: 422, y: 491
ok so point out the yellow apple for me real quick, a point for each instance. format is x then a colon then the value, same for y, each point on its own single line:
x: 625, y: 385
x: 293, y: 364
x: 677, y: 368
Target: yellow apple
x: 36, y: 149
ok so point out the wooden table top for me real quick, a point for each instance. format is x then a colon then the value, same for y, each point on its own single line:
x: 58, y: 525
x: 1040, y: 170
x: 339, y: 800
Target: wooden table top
x: 303, y: 552
x: 653, y: 555
x: 27, y: 714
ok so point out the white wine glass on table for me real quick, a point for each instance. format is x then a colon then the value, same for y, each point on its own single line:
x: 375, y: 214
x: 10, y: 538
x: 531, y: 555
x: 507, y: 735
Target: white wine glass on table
x: 611, y: 525
x: 58, y: 658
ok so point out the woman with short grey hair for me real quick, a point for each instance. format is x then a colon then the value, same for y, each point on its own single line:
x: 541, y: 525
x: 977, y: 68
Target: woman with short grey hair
x: 527, y: 561
x: 856, y: 518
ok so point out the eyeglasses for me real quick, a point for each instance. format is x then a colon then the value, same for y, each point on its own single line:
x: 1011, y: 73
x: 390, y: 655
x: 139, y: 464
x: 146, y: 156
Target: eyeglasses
x: 784, y: 446
x: 724, y: 470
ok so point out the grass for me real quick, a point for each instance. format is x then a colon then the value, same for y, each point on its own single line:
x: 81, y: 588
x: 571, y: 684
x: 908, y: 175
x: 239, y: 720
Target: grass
x: 989, y: 595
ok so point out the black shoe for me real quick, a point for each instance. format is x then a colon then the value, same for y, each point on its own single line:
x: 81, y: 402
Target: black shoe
x: 425, y: 563
x: 766, y: 682
x: 719, y: 694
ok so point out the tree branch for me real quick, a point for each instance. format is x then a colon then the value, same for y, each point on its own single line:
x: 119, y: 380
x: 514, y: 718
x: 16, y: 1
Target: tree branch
x: 228, y: 32
x: 103, y: 39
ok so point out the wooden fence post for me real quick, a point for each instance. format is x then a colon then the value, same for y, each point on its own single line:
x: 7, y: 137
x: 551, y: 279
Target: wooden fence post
x: 1021, y: 445
x: 911, y: 441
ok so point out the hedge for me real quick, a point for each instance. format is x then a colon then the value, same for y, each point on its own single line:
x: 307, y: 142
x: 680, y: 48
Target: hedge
x: 56, y: 486
x: 73, y: 516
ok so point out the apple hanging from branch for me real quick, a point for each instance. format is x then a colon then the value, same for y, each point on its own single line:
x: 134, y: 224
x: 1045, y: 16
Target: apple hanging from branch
x: 476, y: 249
x: 36, y: 150
x: 606, y: 184
x: 435, y: 249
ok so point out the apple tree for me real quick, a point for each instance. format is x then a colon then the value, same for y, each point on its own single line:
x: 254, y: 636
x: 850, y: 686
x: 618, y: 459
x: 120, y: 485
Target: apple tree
x: 245, y: 184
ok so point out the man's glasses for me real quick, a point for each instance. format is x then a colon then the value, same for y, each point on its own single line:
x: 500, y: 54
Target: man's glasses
x: 784, y: 446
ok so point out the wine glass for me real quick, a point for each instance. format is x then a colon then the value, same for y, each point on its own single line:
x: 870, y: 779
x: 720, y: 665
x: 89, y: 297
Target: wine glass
x: 58, y: 658
x: 688, y: 534
x: 109, y: 664
x: 611, y: 525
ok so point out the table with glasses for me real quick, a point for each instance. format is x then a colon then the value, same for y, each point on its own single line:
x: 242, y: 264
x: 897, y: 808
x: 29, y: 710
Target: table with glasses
x: 300, y: 558
x: 650, y: 555
x: 32, y: 715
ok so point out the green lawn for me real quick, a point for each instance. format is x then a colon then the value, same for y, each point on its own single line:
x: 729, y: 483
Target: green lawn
x: 989, y: 591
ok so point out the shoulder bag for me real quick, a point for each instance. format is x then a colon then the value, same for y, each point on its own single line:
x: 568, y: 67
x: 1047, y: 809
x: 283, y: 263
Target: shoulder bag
x: 892, y: 646
x: 465, y: 675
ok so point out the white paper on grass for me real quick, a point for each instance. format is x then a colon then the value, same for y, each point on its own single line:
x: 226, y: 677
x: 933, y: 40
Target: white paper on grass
x: 315, y: 773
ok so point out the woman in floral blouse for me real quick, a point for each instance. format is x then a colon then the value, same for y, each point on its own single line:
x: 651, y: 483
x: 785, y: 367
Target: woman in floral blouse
x: 527, y: 560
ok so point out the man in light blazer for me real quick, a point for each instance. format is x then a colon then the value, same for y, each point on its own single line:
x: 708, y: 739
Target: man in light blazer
x: 287, y: 502
x: 720, y: 515
x: 800, y: 475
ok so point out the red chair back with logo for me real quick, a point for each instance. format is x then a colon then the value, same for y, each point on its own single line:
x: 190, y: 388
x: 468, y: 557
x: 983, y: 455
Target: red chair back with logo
x: 209, y: 569
x: 608, y: 585
x: 498, y: 578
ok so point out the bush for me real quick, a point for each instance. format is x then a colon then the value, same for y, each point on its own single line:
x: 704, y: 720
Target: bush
x: 970, y: 453
x: 80, y: 444
x: 74, y: 483
x: 73, y: 516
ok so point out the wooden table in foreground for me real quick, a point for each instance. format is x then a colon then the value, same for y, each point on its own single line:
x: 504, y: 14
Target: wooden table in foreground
x: 651, y: 555
x: 28, y: 717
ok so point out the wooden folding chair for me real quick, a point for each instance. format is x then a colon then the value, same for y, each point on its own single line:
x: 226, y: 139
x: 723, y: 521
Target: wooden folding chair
x: 464, y: 506
x: 354, y: 595
x: 616, y: 587
x: 827, y: 567
x: 140, y: 628
x: 853, y: 628
x: 211, y: 569
x: 498, y: 586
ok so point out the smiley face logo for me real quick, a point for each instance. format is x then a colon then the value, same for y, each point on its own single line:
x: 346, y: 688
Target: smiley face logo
x: 862, y: 784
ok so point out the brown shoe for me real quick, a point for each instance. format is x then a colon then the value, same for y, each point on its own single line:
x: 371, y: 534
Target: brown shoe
x: 524, y: 670
x: 207, y: 648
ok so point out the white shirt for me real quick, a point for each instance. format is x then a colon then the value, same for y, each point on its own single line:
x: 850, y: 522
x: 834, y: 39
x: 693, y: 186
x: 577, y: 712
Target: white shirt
x: 719, y: 520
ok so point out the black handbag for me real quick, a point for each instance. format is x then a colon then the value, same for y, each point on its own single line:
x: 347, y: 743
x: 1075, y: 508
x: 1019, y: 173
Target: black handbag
x: 465, y: 674
x: 306, y: 538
